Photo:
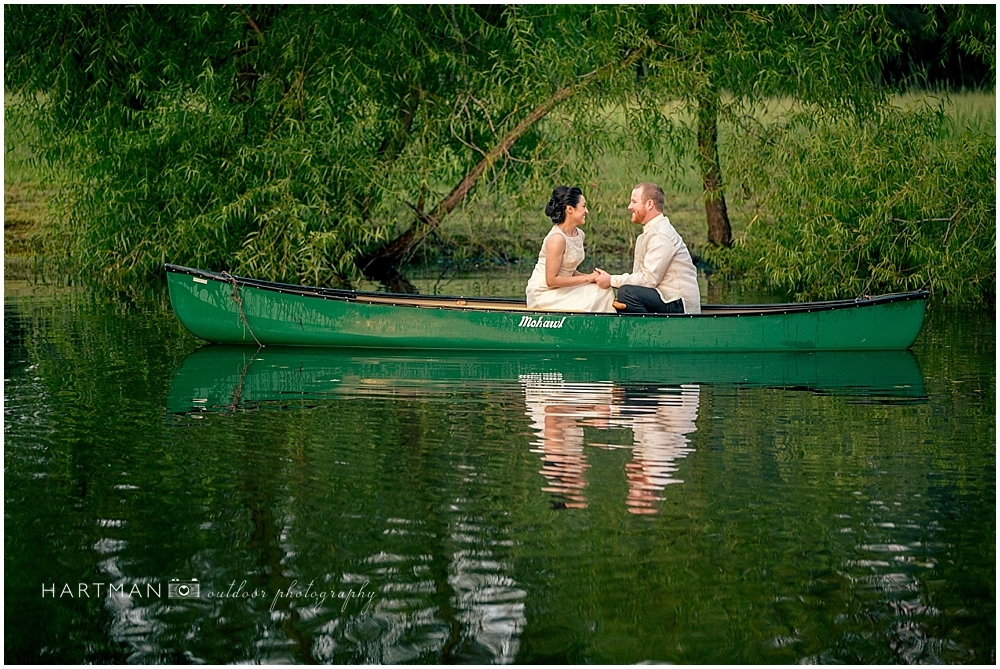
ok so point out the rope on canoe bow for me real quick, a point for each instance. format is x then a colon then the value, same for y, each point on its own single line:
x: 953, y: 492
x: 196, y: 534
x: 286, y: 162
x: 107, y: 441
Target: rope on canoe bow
x: 239, y: 302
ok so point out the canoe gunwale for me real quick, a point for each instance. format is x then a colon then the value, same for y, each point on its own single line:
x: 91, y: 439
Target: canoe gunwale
x: 499, y: 304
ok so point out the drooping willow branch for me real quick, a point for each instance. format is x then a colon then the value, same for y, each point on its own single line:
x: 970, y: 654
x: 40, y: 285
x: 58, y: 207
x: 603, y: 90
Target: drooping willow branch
x: 378, y: 265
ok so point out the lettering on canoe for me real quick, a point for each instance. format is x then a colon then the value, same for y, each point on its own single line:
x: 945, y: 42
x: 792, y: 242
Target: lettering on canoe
x: 540, y: 322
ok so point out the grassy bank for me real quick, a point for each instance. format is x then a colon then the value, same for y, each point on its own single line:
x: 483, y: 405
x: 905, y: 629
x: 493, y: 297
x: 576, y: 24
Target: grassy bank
x: 31, y: 190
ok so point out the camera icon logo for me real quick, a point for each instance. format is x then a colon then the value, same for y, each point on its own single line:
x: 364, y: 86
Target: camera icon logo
x: 178, y: 589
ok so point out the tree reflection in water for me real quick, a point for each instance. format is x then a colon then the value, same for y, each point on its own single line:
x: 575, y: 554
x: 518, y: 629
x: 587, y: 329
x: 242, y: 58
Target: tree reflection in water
x: 660, y: 419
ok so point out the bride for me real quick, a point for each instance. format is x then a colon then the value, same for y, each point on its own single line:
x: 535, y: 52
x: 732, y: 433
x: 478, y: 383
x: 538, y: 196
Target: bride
x: 555, y: 285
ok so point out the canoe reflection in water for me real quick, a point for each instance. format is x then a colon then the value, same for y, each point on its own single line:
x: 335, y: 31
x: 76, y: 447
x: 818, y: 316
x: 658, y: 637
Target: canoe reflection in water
x: 655, y: 396
x: 660, y: 420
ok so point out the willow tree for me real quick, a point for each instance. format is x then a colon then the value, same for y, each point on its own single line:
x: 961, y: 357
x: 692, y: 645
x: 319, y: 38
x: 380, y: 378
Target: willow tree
x: 720, y: 59
x: 293, y: 142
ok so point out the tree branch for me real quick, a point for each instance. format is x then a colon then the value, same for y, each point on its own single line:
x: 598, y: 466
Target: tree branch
x: 400, y: 248
x: 950, y: 219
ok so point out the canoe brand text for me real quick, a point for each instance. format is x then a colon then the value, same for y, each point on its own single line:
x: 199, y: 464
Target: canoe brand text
x: 529, y: 322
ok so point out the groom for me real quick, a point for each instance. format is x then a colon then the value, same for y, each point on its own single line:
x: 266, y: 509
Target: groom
x: 663, y: 279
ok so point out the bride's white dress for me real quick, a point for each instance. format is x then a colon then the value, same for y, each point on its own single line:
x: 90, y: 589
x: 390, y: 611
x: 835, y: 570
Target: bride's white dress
x: 586, y: 297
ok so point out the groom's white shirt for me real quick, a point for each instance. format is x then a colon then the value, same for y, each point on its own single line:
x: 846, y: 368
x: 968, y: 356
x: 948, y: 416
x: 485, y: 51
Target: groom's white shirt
x: 662, y: 262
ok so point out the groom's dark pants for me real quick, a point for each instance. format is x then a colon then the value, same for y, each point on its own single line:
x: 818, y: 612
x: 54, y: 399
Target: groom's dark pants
x: 642, y: 300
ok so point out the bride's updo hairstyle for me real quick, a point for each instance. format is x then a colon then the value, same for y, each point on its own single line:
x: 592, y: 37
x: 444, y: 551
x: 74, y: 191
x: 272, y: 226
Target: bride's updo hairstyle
x: 562, y: 197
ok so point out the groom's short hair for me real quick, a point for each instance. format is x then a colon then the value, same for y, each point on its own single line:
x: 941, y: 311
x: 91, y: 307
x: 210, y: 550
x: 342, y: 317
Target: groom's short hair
x: 651, y: 191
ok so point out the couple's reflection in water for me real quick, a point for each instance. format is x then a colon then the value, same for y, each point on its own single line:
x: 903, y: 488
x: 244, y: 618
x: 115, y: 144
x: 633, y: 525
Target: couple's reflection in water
x: 661, y: 420
x: 568, y: 399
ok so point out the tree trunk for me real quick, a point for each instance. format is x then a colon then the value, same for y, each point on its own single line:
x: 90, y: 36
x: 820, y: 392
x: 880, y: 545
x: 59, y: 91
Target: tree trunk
x: 719, y: 231
x: 382, y: 265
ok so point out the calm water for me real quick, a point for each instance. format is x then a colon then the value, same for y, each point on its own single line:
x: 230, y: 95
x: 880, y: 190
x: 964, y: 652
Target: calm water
x: 360, y: 507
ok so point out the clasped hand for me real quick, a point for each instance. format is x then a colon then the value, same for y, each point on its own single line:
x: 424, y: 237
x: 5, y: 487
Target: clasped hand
x: 601, y: 278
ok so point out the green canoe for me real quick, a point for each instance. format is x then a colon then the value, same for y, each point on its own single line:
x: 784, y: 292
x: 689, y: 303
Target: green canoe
x: 224, y: 309
x: 220, y: 378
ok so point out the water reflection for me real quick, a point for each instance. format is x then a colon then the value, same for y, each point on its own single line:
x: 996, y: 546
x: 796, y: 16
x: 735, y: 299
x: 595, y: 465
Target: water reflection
x: 448, y: 588
x: 832, y: 510
x: 660, y: 420
x: 660, y: 427
x: 656, y: 397
x: 230, y: 377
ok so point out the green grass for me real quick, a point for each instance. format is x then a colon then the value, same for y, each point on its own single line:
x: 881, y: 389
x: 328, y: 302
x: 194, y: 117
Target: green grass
x: 29, y: 192
x: 974, y: 110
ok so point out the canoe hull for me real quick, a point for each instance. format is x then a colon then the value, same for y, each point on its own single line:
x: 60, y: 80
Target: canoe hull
x: 238, y: 311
